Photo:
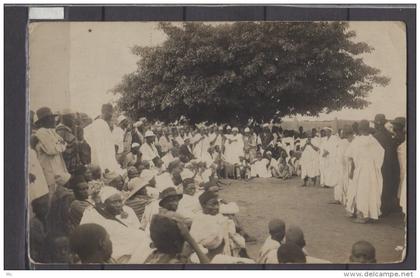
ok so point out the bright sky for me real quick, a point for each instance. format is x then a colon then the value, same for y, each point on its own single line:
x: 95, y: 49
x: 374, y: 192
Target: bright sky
x: 75, y: 65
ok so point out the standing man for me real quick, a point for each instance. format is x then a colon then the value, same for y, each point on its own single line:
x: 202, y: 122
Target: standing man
x: 266, y: 136
x: 366, y: 157
x: 329, y: 154
x: 390, y: 167
x: 49, y: 147
x: 99, y: 136
x: 343, y: 167
x: 310, y: 159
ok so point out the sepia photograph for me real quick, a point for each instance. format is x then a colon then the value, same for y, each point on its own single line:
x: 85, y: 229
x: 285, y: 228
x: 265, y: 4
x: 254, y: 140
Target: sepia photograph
x: 253, y: 142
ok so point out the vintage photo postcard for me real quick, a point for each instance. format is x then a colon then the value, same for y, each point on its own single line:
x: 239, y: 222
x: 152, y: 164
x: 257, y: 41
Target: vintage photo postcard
x: 217, y: 142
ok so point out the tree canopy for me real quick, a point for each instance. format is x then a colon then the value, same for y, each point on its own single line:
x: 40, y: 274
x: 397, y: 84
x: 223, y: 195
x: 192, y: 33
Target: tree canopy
x: 233, y: 72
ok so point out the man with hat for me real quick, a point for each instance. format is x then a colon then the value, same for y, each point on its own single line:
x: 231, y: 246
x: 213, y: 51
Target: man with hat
x: 99, y: 136
x: 138, y: 198
x: 390, y: 167
x: 49, y: 147
x: 166, y: 205
x: 148, y: 149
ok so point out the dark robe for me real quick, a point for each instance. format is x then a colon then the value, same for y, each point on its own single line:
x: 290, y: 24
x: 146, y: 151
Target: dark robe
x: 390, y: 171
x: 185, y: 154
x: 266, y: 138
x: 77, y: 208
x: 58, y: 219
x: 138, y: 203
x: 37, y: 236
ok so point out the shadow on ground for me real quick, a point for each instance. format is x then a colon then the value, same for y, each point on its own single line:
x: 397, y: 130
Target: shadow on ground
x: 329, y: 234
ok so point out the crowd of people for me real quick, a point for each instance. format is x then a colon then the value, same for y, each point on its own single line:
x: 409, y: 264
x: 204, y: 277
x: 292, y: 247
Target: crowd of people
x: 114, y: 190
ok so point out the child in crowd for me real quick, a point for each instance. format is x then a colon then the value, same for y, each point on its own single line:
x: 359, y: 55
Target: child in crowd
x: 363, y: 252
x: 268, y: 251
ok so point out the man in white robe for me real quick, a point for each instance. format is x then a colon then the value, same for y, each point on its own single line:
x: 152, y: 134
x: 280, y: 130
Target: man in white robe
x: 99, y: 137
x: 329, y: 153
x: 322, y: 159
x: 367, y: 156
x: 259, y: 167
x: 343, y: 166
x: 234, y: 147
x: 309, y: 161
x: 49, y: 148
x: 201, y: 145
x: 120, y: 222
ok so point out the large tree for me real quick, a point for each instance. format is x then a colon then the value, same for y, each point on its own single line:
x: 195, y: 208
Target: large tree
x: 233, y: 72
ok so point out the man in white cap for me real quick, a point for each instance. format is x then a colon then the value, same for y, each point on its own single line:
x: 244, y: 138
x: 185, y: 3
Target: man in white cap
x: 99, y: 137
x: 120, y: 222
x: 148, y: 149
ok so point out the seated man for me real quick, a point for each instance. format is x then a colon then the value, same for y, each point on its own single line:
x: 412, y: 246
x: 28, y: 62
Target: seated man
x: 169, y: 236
x: 363, y: 252
x: 138, y: 198
x: 165, y: 179
x: 259, y: 167
x: 78, y: 206
x: 92, y: 244
x: 167, y: 205
x: 189, y: 205
x: 211, y: 216
x: 268, y: 252
x: 120, y: 222
x: 213, y: 241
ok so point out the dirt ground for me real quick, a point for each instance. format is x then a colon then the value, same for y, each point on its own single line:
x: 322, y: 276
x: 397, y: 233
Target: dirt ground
x: 329, y: 234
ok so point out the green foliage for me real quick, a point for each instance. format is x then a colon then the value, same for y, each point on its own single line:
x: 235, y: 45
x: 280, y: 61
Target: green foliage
x: 233, y: 72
